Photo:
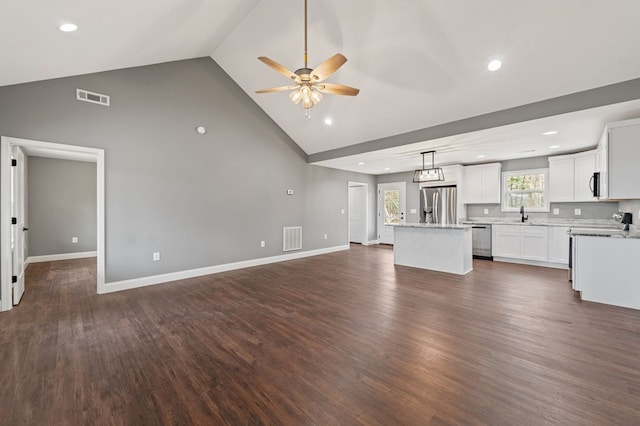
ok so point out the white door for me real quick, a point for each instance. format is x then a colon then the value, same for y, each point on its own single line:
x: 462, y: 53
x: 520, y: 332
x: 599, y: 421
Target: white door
x: 391, y: 209
x: 18, y: 228
x: 357, y: 214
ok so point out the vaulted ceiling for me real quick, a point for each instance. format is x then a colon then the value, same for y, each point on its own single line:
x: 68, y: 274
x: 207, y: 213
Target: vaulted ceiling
x: 419, y: 65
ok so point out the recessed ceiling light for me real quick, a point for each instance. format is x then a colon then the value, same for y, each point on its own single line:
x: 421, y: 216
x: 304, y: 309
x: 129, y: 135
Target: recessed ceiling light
x: 554, y: 147
x: 360, y: 163
x: 481, y: 156
x: 328, y: 121
x: 550, y: 132
x: 67, y: 28
x: 494, y: 65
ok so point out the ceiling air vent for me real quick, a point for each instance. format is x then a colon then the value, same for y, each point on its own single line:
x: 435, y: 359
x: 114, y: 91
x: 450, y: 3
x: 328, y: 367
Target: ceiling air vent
x: 94, y: 98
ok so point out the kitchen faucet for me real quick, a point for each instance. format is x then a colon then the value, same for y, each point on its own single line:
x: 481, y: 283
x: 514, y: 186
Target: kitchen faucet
x: 523, y: 218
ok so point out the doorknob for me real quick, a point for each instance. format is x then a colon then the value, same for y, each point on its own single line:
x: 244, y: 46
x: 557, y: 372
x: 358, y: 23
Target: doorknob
x: 25, y: 229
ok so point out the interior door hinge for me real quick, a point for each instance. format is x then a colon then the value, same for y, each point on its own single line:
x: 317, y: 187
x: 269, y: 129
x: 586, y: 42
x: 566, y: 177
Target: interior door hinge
x: 14, y: 162
x: 14, y: 220
x: 14, y: 279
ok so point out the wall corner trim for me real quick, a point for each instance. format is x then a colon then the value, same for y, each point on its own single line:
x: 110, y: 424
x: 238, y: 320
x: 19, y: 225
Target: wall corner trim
x: 192, y: 273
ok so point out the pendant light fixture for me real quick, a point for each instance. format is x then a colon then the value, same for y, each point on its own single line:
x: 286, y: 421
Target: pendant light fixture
x: 432, y: 174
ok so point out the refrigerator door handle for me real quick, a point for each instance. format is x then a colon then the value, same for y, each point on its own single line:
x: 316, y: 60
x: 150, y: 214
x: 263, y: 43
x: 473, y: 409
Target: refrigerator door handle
x: 436, y: 213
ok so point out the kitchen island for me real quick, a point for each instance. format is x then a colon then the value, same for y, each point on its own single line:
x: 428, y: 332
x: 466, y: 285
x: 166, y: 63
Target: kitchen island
x: 606, y: 268
x: 445, y: 248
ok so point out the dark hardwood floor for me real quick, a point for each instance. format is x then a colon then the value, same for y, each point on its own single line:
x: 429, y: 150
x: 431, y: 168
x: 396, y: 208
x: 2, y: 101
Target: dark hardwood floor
x: 343, y: 338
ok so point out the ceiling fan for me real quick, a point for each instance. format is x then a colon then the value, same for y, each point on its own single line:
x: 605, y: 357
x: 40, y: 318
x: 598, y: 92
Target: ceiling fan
x: 309, y: 83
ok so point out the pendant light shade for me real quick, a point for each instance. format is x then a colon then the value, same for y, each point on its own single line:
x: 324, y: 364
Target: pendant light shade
x: 432, y: 174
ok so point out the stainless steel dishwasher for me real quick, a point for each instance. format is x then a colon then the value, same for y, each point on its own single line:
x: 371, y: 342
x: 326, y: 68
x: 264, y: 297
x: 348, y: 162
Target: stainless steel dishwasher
x: 481, y: 237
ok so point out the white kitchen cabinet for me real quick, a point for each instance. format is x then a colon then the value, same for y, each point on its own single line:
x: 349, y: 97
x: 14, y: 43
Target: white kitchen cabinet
x: 619, y: 151
x: 534, y: 243
x: 505, y: 241
x: 561, y: 171
x: 559, y: 244
x: 584, y: 166
x: 570, y: 176
x: 525, y: 242
x: 482, y: 184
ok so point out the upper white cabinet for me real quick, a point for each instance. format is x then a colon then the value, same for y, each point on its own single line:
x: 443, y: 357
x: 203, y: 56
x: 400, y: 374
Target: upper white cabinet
x: 619, y: 152
x: 570, y: 177
x: 482, y: 184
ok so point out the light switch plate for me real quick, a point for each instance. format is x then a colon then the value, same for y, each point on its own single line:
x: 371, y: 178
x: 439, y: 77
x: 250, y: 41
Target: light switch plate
x: 263, y: 244
x: 289, y: 191
x: 341, y: 211
x: 156, y: 256
x: 325, y: 236
x: 74, y: 240
x: 577, y: 212
x: 486, y: 211
x: 556, y: 211
x: 414, y: 211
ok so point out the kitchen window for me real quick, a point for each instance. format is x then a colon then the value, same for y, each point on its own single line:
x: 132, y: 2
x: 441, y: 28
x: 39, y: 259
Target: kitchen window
x: 525, y: 188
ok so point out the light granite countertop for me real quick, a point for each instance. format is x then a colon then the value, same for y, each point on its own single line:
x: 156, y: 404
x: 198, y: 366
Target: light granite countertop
x: 433, y: 226
x: 571, y: 223
x: 610, y: 233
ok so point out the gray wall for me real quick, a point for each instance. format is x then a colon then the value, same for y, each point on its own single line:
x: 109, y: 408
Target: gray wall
x: 200, y: 200
x: 412, y: 196
x: 62, y: 204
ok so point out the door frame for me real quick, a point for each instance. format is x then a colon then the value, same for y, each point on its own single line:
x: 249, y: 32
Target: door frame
x: 51, y: 150
x: 379, y: 204
x: 365, y: 210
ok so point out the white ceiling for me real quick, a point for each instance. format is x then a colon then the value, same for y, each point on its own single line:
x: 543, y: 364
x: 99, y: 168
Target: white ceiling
x: 418, y: 63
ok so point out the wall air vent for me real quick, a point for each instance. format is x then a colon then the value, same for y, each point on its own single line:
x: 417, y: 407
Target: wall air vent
x: 291, y: 238
x: 94, y: 98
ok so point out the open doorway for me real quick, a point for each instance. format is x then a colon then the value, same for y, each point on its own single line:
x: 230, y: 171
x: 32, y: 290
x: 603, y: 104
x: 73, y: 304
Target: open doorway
x: 10, y: 184
x: 358, y: 212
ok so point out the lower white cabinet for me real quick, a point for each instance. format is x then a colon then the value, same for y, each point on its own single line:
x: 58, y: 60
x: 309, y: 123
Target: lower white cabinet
x: 559, y: 244
x: 525, y: 242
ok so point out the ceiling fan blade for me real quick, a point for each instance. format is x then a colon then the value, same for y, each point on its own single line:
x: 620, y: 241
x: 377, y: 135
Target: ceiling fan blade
x: 282, y: 70
x: 328, y: 67
x: 337, y: 89
x: 276, y: 89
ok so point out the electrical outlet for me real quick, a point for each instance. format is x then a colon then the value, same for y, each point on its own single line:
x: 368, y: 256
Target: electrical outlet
x: 325, y: 236
x: 74, y: 240
x: 263, y: 244
x: 156, y: 256
x: 289, y: 191
x: 486, y: 211
x: 556, y: 211
x: 577, y: 212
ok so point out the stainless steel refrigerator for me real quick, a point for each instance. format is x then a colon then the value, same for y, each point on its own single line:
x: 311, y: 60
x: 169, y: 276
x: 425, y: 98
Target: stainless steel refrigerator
x: 438, y: 204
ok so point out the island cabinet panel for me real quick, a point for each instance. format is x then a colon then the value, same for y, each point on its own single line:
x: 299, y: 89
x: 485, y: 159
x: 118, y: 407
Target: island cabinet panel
x: 606, y: 270
x: 520, y: 242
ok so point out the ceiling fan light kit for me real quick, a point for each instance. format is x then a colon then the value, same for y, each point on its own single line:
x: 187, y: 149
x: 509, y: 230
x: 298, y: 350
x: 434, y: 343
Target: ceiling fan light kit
x: 309, y: 82
x: 432, y: 174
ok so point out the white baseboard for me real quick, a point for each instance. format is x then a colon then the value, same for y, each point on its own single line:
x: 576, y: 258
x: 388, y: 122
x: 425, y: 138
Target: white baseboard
x: 63, y: 256
x: 531, y: 262
x: 370, y: 243
x: 192, y: 273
